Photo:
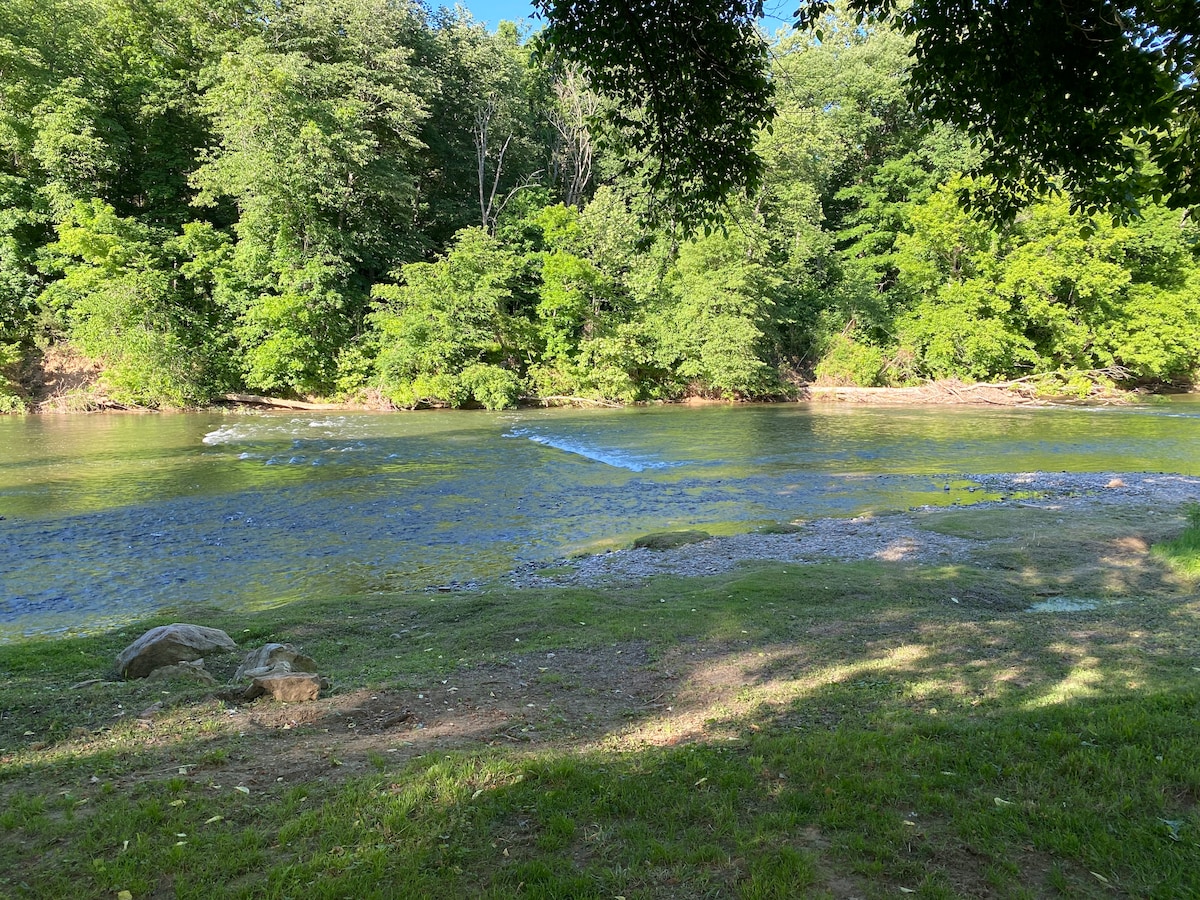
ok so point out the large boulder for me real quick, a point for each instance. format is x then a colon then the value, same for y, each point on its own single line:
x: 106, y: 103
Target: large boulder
x: 169, y: 645
x: 292, y: 687
x: 274, y: 659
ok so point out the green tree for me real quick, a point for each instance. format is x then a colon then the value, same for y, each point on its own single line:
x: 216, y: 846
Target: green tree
x: 1056, y: 291
x: 487, y: 133
x: 845, y: 158
x: 1050, y: 89
x: 143, y: 302
x: 449, y: 333
x: 317, y: 119
x: 691, y: 90
x: 713, y: 333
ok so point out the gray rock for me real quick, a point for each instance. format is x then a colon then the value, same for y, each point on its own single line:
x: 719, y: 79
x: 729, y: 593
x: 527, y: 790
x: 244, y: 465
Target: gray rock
x: 191, y: 670
x: 274, y: 659
x: 169, y: 645
x: 294, y: 687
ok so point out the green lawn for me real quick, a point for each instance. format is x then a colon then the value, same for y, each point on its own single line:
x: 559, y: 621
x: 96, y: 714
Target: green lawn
x: 836, y: 730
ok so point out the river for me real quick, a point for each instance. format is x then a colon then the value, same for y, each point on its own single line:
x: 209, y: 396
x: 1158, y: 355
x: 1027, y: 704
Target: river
x: 109, y: 518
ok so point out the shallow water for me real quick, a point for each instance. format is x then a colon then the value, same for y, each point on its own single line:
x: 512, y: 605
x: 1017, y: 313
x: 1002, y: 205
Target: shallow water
x: 108, y: 518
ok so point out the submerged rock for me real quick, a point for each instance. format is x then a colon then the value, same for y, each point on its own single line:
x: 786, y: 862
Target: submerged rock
x: 669, y: 540
x: 169, y: 645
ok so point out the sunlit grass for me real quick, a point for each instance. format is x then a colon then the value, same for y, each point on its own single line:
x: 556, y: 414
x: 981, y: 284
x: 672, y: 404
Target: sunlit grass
x: 1183, y: 553
x: 830, y: 730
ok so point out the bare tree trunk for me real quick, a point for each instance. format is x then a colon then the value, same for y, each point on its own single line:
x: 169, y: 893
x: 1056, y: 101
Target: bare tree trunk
x: 491, y: 202
x: 482, y: 133
x: 573, y: 147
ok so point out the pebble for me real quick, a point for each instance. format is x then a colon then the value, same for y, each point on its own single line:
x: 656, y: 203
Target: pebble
x: 891, y: 537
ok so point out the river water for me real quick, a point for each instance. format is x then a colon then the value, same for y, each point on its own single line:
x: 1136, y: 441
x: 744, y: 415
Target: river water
x: 108, y: 518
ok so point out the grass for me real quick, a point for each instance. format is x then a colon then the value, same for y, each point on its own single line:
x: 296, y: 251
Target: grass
x: 1183, y: 553
x: 669, y: 540
x: 833, y: 730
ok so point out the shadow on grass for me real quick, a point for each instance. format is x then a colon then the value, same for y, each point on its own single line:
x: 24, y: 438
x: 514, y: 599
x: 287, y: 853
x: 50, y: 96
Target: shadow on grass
x: 782, y: 731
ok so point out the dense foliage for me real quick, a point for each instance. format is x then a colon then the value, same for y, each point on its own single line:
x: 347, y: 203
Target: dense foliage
x: 1052, y: 88
x: 1100, y: 94
x: 353, y: 198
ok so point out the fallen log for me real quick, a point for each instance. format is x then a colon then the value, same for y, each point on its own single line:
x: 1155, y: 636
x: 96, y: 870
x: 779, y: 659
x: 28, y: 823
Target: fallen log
x: 276, y: 403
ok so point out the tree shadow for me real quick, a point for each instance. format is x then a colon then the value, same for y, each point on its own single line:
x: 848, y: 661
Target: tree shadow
x: 772, y: 736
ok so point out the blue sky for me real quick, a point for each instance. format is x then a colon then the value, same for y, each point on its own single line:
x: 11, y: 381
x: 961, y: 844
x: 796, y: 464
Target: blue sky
x: 778, y: 12
x: 493, y: 11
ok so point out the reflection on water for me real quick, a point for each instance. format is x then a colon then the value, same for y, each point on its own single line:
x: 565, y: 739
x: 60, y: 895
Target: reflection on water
x: 110, y: 517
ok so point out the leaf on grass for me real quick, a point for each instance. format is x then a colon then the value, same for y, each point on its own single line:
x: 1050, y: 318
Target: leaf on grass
x: 477, y: 794
x: 999, y: 801
x: 178, y: 802
x: 1173, y: 826
x: 217, y: 818
x: 243, y: 789
x: 124, y: 895
x: 1100, y: 878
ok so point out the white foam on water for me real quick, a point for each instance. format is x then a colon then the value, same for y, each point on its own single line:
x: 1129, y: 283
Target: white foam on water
x: 616, y: 458
x: 273, y: 429
x: 226, y: 434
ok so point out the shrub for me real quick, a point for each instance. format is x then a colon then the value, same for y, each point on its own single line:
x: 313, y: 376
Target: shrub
x: 494, y: 387
x: 846, y: 361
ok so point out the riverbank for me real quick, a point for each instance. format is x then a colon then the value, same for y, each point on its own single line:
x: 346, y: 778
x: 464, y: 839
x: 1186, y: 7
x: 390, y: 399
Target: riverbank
x: 938, y: 393
x: 69, y: 382
x: 1009, y: 714
x: 893, y: 536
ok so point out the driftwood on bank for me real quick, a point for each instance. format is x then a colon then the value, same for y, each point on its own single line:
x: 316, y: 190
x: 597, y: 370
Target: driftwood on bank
x: 571, y: 400
x: 274, y: 402
x: 1031, y: 390
x: 941, y: 392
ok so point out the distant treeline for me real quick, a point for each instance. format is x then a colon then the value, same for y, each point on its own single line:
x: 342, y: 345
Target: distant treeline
x: 348, y: 198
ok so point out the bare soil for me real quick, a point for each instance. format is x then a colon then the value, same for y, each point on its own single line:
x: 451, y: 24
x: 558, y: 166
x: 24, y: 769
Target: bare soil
x: 62, y: 379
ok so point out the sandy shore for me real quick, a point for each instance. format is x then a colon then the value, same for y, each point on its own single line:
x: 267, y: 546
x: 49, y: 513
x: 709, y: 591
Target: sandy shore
x: 894, y: 538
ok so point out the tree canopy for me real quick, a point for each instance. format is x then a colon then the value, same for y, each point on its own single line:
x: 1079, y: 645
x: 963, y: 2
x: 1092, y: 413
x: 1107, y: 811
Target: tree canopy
x: 1097, y: 96
x: 692, y: 85
x: 362, y: 200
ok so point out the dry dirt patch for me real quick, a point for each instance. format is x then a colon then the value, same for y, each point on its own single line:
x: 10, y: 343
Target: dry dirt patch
x: 551, y: 698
